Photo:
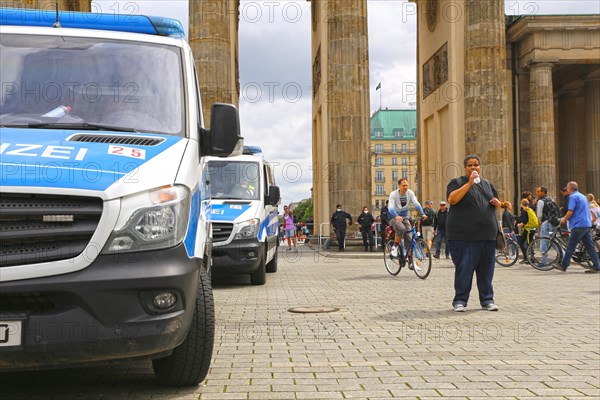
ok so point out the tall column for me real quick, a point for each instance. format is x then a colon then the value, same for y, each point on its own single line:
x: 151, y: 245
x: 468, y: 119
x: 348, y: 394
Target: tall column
x: 524, y: 142
x: 348, y: 104
x: 592, y: 134
x: 541, y: 102
x: 63, y: 5
x: 568, y: 138
x: 213, y: 39
x: 486, y: 132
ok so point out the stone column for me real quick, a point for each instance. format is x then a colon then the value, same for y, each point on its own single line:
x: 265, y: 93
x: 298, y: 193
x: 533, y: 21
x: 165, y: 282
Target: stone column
x: 543, y: 148
x: 524, y: 142
x: 63, y: 5
x: 348, y: 107
x: 592, y: 135
x: 568, y: 138
x: 486, y: 132
x: 213, y: 39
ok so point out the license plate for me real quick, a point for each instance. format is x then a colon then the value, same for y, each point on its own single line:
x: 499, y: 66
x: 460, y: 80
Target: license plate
x: 10, y: 333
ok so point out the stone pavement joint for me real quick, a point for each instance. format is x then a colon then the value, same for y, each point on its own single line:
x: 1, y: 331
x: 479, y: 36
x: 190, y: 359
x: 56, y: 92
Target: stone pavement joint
x: 393, y: 337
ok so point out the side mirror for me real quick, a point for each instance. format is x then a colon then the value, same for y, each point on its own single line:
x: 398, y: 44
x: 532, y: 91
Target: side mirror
x: 224, y: 138
x: 274, y: 196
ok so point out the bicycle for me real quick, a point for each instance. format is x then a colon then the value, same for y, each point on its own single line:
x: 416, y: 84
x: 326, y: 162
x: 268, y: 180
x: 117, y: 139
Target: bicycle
x: 510, y: 254
x: 555, y: 246
x: 418, y: 255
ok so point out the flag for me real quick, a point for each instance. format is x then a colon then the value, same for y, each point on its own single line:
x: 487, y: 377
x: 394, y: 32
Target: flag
x: 378, y: 86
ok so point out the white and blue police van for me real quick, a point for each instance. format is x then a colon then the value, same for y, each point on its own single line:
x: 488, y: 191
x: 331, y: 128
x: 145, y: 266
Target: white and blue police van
x: 104, y: 231
x: 243, y: 212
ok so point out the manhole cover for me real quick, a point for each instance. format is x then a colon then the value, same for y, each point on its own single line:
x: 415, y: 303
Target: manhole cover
x: 317, y: 309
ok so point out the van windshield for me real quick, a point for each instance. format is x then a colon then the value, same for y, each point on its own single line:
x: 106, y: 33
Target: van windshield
x: 234, y: 180
x: 62, y: 81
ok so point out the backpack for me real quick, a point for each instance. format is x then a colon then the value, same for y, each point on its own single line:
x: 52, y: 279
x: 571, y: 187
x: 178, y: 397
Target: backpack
x: 552, y: 212
x: 532, y: 219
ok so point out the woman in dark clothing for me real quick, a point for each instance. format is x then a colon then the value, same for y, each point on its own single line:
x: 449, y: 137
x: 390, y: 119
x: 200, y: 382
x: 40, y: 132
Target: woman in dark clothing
x: 508, y: 218
x: 529, y: 222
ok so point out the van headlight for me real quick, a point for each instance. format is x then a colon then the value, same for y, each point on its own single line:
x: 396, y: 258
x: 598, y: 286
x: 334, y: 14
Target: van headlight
x: 151, y: 220
x: 247, y: 229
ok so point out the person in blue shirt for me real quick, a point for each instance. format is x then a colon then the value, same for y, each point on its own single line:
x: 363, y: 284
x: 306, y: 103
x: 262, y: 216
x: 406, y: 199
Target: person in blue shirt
x: 580, y: 224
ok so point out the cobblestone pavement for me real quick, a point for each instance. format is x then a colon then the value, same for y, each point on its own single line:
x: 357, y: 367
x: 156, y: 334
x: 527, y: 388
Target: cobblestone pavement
x: 393, y: 337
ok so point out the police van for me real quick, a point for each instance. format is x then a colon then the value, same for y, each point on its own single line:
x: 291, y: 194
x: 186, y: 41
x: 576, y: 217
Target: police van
x: 243, y: 212
x: 105, y: 242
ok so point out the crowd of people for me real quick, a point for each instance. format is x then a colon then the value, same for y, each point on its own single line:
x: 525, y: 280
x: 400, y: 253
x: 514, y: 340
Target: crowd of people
x: 466, y: 226
x: 541, y: 214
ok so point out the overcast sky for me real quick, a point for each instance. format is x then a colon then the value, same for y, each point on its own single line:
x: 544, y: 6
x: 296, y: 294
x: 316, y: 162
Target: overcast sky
x: 275, y: 69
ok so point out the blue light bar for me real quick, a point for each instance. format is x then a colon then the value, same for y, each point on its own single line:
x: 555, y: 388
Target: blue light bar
x: 108, y: 22
x: 251, y: 150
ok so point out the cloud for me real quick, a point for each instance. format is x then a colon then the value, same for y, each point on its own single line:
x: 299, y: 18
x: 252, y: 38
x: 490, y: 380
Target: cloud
x: 275, y: 85
x: 392, y: 53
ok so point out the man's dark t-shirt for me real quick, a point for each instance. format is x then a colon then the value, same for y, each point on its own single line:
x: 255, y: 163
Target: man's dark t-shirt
x: 473, y: 217
x: 440, y: 220
x: 430, y: 217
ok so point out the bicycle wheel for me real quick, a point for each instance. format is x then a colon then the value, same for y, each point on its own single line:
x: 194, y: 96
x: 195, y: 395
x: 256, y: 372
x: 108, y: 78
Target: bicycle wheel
x: 509, y: 256
x: 421, y: 259
x: 547, y: 259
x: 392, y: 263
x: 585, y: 260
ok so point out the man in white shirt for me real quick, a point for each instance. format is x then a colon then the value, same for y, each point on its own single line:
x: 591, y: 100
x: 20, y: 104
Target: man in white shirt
x: 399, y: 203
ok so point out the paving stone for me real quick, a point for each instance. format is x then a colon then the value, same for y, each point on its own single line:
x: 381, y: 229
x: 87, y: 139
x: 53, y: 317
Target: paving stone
x: 393, y: 337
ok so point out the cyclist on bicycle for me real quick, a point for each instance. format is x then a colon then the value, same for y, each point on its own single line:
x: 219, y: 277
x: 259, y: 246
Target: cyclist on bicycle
x: 399, y: 203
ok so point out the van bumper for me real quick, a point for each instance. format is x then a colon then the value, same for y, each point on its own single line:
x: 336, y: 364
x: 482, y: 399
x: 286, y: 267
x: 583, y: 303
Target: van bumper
x: 103, y: 312
x: 238, y: 257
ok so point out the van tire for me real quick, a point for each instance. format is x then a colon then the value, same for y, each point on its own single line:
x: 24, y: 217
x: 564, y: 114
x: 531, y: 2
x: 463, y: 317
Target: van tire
x: 189, y: 362
x: 259, y: 277
x: 272, y: 265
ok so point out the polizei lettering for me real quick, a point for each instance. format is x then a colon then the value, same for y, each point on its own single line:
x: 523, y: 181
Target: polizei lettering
x: 38, y: 150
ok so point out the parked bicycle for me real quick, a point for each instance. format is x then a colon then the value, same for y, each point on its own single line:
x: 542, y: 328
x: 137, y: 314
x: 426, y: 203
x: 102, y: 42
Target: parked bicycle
x: 546, y: 252
x: 417, y: 256
x: 510, y: 254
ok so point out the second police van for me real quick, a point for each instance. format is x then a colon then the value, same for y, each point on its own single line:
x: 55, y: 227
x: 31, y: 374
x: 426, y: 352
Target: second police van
x: 243, y: 212
x: 105, y: 244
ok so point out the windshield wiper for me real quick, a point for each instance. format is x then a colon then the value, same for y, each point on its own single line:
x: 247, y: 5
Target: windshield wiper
x: 77, y: 125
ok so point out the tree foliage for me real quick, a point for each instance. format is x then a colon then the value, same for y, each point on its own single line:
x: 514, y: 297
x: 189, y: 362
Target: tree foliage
x: 303, y: 211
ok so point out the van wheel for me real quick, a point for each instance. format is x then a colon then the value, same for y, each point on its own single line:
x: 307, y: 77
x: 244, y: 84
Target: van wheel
x: 272, y: 265
x: 189, y: 363
x: 259, y: 277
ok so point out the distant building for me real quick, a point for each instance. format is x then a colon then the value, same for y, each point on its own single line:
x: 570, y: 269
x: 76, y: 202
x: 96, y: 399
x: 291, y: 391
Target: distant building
x: 393, y: 152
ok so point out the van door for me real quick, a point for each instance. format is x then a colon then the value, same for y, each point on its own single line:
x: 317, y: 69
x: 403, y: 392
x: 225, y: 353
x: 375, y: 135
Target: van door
x: 271, y: 213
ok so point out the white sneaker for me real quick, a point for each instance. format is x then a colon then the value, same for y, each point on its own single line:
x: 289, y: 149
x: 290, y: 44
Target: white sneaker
x: 394, y: 251
x: 459, y: 308
x: 490, y: 307
x: 416, y: 266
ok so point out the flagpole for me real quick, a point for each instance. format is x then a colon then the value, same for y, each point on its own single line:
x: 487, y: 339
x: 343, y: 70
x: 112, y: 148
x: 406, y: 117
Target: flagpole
x: 380, y: 90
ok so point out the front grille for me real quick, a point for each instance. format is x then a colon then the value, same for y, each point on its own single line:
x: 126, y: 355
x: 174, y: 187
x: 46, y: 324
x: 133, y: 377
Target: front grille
x: 37, y: 228
x: 221, y: 231
x: 117, y: 139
